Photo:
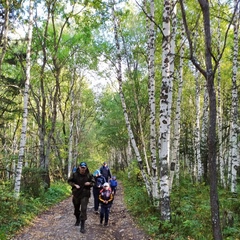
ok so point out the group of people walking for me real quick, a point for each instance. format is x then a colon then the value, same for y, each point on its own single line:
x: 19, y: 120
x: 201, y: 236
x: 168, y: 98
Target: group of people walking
x: 104, y: 187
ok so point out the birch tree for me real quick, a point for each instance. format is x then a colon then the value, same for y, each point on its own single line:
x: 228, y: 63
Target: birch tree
x: 198, y: 164
x: 71, y: 124
x: 25, y: 104
x: 121, y: 94
x: 172, y: 164
x: 4, y: 33
x: 203, y: 135
x: 163, y: 141
x: 234, y: 153
x: 219, y: 112
x: 176, y: 123
x: 151, y: 94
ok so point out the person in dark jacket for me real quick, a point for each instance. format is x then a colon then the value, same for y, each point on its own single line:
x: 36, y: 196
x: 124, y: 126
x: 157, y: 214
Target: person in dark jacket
x: 99, y: 181
x: 81, y: 182
x: 106, y: 198
x: 105, y: 171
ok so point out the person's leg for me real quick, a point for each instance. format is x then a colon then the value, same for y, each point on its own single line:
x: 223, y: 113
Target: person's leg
x: 102, y: 213
x: 96, y: 201
x: 83, y: 215
x: 107, y: 210
x: 114, y: 190
x: 76, y: 204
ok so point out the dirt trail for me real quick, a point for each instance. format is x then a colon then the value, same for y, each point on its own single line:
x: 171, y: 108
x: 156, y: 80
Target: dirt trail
x: 58, y: 223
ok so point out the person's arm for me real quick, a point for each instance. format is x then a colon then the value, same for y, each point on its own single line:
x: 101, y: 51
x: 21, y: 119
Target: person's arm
x: 71, y: 181
x: 91, y: 181
x: 101, y: 197
x: 111, y: 198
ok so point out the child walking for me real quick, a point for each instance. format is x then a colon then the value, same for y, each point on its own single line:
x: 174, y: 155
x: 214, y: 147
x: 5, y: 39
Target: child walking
x: 113, y: 184
x: 105, y: 198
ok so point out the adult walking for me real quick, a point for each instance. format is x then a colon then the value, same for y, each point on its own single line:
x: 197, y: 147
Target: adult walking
x: 81, y: 182
x: 105, y: 171
x: 99, y: 181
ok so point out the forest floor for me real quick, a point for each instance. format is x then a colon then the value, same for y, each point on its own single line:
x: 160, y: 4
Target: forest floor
x: 58, y: 223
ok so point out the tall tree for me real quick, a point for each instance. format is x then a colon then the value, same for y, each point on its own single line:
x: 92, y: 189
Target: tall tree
x: 120, y: 81
x: 4, y: 30
x: 234, y: 151
x: 165, y: 102
x: 149, y: 10
x: 209, y: 73
x: 25, y: 103
x: 175, y: 165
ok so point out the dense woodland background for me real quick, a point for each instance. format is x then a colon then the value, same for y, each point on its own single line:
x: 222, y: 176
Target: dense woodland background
x: 150, y: 87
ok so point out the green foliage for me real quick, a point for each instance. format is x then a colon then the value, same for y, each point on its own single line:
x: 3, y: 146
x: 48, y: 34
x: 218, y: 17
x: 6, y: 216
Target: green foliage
x: 32, y: 184
x: 18, y: 213
x: 190, y: 209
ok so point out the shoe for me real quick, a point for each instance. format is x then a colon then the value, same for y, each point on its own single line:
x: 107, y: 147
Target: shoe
x: 77, y: 223
x: 82, y: 229
x: 96, y: 212
x: 105, y: 224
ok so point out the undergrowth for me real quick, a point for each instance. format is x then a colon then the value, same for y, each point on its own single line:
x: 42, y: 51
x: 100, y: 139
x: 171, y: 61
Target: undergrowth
x: 18, y: 213
x: 190, y: 210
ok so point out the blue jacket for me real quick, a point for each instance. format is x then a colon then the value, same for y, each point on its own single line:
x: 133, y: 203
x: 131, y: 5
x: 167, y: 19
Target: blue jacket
x: 99, y: 181
x: 113, y: 183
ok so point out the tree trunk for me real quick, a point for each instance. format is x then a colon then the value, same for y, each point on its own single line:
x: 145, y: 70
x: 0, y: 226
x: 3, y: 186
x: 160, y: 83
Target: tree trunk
x: 217, y: 233
x: 4, y: 33
x: 151, y: 97
x: 119, y: 78
x: 209, y: 76
x: 25, y: 104
x: 197, y: 154
x: 163, y: 143
x: 234, y: 153
x: 177, y: 129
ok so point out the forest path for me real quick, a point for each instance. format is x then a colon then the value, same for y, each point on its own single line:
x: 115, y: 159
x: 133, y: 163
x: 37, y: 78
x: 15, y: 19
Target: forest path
x: 58, y: 223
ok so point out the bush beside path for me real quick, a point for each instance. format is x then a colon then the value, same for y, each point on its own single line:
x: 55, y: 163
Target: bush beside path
x: 58, y: 223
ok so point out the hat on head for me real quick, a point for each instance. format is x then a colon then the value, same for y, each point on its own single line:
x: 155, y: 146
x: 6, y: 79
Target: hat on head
x: 83, y: 164
x: 106, y: 184
x: 104, y: 163
x: 97, y: 172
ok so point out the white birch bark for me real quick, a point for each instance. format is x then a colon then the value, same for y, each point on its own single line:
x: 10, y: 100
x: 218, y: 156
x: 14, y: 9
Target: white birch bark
x: 177, y: 129
x: 4, y: 32
x: 151, y: 97
x: 204, y: 129
x: 172, y: 163
x: 71, y: 124
x: 173, y: 33
x: 198, y: 164
x: 164, y: 116
x: 219, y: 115
x: 119, y: 78
x: 25, y: 104
x: 234, y: 157
x: 220, y: 138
